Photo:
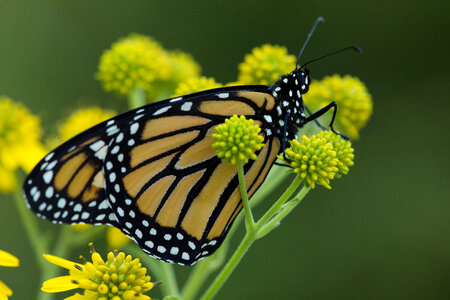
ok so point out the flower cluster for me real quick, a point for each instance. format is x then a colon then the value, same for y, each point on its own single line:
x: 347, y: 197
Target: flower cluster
x: 320, y: 158
x: 119, y: 278
x: 237, y: 139
x: 20, y: 145
x: 138, y: 61
x: 6, y: 260
x: 265, y: 64
x: 196, y: 84
x: 352, y: 98
x: 79, y: 121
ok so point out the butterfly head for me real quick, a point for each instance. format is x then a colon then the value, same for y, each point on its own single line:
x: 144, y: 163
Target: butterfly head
x: 288, y: 91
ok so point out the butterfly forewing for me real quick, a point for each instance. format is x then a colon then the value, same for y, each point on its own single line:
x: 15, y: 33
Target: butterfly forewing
x: 163, y: 183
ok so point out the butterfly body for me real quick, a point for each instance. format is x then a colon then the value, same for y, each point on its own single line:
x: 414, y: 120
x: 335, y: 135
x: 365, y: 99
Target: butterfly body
x: 152, y: 171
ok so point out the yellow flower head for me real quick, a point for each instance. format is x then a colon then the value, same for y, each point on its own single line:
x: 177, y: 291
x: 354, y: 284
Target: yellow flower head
x: 320, y: 158
x: 81, y: 120
x: 352, y: 98
x: 237, y: 140
x: 196, y: 84
x: 19, y: 142
x: 133, y: 62
x: 115, y: 238
x: 343, y: 149
x: 120, y: 277
x: 182, y: 66
x: 265, y: 64
x: 6, y: 260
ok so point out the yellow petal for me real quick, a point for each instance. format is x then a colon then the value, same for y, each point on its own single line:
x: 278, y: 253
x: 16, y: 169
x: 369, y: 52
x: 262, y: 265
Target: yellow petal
x: 115, y: 238
x: 8, y: 260
x: 5, y: 291
x: 77, y: 297
x: 59, y: 284
x: 67, y: 264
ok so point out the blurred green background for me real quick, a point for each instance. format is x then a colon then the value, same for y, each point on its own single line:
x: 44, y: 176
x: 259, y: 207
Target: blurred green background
x: 383, y: 232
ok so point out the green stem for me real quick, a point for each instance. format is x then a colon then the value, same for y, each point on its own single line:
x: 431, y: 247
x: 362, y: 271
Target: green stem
x: 278, y: 205
x: 286, y: 209
x: 273, y: 181
x: 248, y: 240
x: 31, y: 227
x: 249, y: 221
x: 170, y: 279
x: 84, y: 237
x: 136, y: 98
x: 203, y: 269
x: 62, y: 245
x: 195, y: 280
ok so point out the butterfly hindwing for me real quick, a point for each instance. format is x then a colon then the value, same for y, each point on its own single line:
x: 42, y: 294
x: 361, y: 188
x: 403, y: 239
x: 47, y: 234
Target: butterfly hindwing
x: 67, y: 186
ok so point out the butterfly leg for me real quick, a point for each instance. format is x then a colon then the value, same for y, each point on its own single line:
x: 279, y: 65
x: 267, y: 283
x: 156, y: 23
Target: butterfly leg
x: 315, y: 120
x: 322, y: 111
x: 284, y: 144
x: 284, y: 138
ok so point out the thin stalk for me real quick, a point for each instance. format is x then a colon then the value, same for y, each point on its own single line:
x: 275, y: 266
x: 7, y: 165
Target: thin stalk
x: 170, y: 279
x: 278, y: 205
x: 249, y: 221
x: 287, y: 208
x: 273, y: 180
x: 248, y: 240
x: 136, y: 98
x: 203, y: 269
x: 62, y: 245
x: 31, y: 227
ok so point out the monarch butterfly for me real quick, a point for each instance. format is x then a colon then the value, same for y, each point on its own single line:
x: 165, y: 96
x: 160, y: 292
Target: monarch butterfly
x: 152, y: 172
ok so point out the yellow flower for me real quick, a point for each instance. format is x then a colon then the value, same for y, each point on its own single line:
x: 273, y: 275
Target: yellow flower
x: 115, y: 238
x: 320, y: 158
x: 352, y: 98
x: 19, y: 142
x: 237, y: 139
x: 81, y: 120
x: 265, y: 64
x: 133, y: 62
x: 6, y: 260
x: 182, y: 67
x: 119, y: 278
x: 343, y: 149
x: 196, y: 84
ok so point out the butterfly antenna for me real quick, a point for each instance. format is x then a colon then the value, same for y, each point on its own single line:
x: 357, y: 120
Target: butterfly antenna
x: 318, y: 20
x: 357, y: 49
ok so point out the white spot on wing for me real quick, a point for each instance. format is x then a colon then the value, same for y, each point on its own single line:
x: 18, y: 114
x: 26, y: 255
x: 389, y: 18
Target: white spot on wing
x: 223, y: 95
x: 49, y: 192
x: 186, y: 106
x: 101, y: 154
x: 48, y: 176
x: 134, y: 128
x: 161, y: 110
x: 97, y: 145
x: 49, y: 156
